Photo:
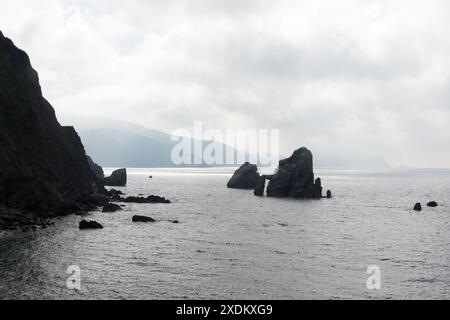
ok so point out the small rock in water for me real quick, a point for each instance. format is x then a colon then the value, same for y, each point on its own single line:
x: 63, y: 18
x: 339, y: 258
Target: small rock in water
x: 329, y: 194
x: 142, y: 219
x: 114, y: 192
x: 111, y: 207
x: 150, y: 177
x: 84, y: 224
x: 432, y: 204
x: 418, y: 207
x: 149, y: 199
x: 175, y: 221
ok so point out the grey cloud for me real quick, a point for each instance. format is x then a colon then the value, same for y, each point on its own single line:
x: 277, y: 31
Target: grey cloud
x: 363, y: 76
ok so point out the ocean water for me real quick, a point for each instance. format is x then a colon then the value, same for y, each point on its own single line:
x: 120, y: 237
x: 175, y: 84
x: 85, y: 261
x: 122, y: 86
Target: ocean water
x: 230, y: 244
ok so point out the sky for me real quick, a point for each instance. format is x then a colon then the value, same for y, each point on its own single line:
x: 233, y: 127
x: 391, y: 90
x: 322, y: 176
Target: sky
x: 352, y: 76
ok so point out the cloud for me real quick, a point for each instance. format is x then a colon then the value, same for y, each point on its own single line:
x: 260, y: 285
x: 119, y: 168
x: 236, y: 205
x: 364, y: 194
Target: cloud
x: 353, y: 76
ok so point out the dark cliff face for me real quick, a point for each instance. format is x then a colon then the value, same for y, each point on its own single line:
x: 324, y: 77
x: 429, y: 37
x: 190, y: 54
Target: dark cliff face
x: 43, y: 165
x: 98, y: 170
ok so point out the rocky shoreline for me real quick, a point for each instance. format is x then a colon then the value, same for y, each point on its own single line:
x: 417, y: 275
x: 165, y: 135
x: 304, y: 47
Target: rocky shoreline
x: 45, y: 172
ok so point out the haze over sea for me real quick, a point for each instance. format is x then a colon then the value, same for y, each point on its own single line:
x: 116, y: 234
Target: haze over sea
x: 230, y: 244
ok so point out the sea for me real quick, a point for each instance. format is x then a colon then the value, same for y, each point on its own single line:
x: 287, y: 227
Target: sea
x: 365, y: 242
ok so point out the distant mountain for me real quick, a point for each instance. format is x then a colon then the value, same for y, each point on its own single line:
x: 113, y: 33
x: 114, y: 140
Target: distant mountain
x: 84, y: 123
x: 117, y: 143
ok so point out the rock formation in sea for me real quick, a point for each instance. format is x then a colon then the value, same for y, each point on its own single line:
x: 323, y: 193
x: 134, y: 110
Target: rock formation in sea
x: 432, y: 204
x: 418, y: 207
x: 44, y: 168
x: 86, y: 224
x: 134, y: 199
x: 260, y: 186
x: 142, y: 219
x: 295, y: 177
x: 111, y: 207
x: 117, y: 179
x: 246, y: 177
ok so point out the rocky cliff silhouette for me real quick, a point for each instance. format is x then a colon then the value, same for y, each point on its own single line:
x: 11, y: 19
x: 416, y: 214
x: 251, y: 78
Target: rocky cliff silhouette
x: 44, y: 168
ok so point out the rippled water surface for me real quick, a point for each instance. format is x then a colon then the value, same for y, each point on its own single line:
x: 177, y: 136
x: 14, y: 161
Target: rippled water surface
x: 230, y: 244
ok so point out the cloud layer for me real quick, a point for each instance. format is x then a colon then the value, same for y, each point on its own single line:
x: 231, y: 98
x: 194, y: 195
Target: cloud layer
x: 368, y: 77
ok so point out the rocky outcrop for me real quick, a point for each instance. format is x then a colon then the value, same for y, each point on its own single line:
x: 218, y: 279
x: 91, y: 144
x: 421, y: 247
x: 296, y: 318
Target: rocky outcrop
x: 85, y: 224
x: 117, y: 179
x: 133, y: 199
x: 432, y: 204
x: 142, y: 219
x: 98, y: 170
x: 246, y: 177
x: 295, y: 177
x: 111, y: 207
x: 418, y: 207
x: 113, y: 193
x: 44, y: 168
x: 317, y: 189
x: 329, y: 195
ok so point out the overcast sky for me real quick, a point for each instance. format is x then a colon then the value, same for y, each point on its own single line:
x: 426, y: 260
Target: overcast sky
x: 371, y: 77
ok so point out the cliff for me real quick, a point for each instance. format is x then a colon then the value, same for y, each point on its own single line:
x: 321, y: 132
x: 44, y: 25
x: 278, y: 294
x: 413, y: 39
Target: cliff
x: 44, y: 169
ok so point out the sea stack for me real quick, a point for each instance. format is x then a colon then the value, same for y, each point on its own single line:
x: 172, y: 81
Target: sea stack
x: 117, y: 179
x: 44, y: 168
x: 246, y: 177
x: 295, y: 177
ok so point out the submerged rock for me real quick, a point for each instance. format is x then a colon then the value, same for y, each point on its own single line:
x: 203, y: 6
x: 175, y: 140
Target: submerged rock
x: 85, y: 224
x: 432, y: 204
x: 138, y: 218
x: 295, y: 177
x: 117, y: 179
x: 418, y: 207
x: 246, y: 177
x: 111, y: 207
